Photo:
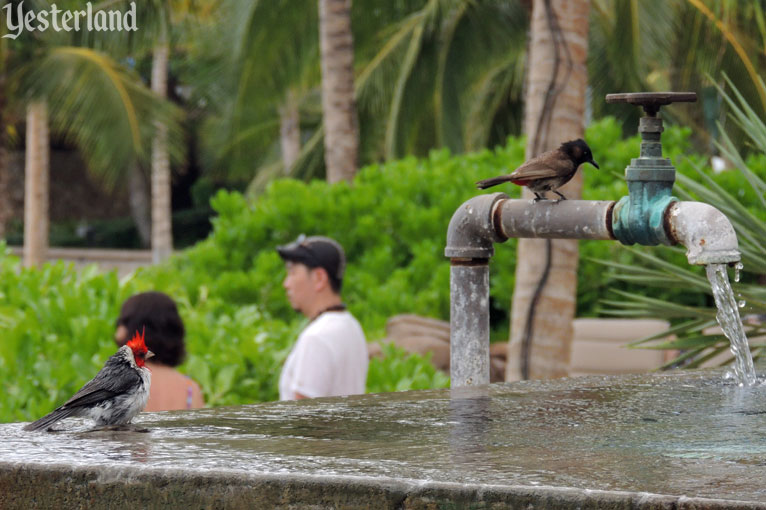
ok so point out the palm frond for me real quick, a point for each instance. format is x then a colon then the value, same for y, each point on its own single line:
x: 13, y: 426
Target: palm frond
x: 691, y: 326
x: 731, y: 38
x: 101, y: 107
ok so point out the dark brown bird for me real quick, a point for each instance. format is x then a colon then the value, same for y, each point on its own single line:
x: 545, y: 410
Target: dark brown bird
x: 548, y: 171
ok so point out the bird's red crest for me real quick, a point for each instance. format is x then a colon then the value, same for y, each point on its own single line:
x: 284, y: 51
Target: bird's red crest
x: 138, y: 346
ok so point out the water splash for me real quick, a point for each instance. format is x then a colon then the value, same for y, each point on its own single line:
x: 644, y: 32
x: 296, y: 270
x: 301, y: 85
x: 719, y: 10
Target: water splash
x: 731, y: 324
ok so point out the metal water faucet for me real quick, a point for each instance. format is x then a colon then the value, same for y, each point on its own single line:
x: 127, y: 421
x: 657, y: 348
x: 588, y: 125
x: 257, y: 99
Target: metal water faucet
x: 639, y: 217
x: 649, y: 215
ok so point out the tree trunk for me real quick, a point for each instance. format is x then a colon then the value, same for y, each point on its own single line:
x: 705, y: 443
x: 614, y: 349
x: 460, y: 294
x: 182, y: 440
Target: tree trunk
x: 162, y: 233
x: 341, y: 133
x: 36, y: 185
x: 555, y: 105
x: 140, y: 206
x: 5, y: 177
x: 290, y: 130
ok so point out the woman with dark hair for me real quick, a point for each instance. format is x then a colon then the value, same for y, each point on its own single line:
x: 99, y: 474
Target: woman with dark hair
x: 156, y: 314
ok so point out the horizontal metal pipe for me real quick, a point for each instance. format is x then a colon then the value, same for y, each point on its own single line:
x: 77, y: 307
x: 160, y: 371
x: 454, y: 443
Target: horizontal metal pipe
x: 565, y: 219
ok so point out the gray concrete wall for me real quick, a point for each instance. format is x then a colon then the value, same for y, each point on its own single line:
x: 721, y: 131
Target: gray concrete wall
x: 685, y: 440
x: 61, y: 487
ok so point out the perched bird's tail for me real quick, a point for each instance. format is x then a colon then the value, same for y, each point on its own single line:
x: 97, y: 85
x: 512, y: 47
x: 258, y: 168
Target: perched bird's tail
x: 49, y: 419
x: 494, y: 181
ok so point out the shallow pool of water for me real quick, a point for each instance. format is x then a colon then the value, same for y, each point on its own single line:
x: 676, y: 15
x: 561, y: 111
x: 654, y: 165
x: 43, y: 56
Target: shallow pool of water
x: 685, y: 433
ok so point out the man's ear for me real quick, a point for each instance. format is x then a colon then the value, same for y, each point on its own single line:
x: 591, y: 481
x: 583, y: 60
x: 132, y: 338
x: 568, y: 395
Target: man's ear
x: 320, y: 277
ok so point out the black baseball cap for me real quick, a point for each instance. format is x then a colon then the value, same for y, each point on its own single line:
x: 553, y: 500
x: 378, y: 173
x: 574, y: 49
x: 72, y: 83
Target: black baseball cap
x: 316, y: 251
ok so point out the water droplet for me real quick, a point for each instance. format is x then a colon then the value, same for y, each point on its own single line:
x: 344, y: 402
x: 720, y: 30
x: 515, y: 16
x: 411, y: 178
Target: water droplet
x: 741, y: 303
x: 737, y: 268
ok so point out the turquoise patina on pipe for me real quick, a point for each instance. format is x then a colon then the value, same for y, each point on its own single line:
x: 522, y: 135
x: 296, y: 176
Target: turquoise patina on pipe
x: 639, y: 218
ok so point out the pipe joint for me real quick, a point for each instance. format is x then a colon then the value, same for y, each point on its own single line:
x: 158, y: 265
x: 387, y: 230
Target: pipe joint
x: 471, y: 233
x: 705, y: 231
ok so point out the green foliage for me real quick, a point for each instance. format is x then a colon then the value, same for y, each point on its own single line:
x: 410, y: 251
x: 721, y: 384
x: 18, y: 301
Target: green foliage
x: 399, y: 371
x: 392, y: 223
x: 57, y: 327
x: 240, y: 327
x: 235, y: 351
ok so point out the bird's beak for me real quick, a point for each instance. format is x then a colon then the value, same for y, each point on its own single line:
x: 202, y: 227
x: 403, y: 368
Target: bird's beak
x: 593, y: 163
x: 149, y: 354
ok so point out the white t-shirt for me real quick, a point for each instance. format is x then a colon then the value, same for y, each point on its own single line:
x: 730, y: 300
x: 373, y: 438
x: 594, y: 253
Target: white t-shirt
x: 329, y: 359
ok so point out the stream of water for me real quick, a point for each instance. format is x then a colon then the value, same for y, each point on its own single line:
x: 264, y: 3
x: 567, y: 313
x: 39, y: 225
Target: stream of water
x: 731, y: 324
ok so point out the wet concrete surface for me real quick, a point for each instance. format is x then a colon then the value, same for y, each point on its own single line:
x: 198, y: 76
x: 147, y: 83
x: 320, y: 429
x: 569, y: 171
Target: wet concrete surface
x: 678, y: 440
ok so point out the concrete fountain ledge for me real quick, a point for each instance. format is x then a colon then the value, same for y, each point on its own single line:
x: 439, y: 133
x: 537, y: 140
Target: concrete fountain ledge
x: 670, y: 441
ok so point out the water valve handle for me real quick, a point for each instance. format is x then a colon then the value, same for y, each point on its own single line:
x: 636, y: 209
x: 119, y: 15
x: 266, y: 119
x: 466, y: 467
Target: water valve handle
x: 639, y: 217
x: 652, y: 101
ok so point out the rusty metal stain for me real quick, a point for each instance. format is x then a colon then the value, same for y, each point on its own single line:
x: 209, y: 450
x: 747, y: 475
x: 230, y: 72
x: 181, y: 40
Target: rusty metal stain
x: 610, y: 211
x: 497, y: 219
x: 669, y: 225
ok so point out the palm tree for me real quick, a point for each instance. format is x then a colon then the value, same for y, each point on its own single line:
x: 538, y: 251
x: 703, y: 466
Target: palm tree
x: 164, y: 23
x: 448, y: 74
x: 341, y: 132
x: 656, y: 45
x: 265, y: 91
x: 36, y: 184
x: 5, y: 208
x: 544, y: 297
x: 162, y: 213
x: 428, y: 73
x: 290, y: 129
x: 92, y: 102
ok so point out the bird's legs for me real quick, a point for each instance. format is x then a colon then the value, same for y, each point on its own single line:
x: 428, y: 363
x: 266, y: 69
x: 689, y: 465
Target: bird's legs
x: 559, y: 194
x: 538, y: 197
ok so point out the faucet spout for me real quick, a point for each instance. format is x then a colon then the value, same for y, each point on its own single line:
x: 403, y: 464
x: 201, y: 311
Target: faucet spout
x: 705, y: 231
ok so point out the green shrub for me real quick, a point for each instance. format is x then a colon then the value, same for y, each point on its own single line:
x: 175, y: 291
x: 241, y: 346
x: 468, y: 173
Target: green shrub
x: 399, y: 371
x: 392, y: 223
x: 56, y: 333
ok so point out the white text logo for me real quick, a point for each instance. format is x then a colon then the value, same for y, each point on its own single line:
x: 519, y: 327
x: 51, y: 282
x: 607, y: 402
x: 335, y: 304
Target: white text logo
x: 66, y: 20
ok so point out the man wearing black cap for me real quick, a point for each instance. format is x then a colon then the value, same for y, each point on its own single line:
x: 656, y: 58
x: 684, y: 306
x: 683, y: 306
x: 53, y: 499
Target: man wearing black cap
x: 330, y: 356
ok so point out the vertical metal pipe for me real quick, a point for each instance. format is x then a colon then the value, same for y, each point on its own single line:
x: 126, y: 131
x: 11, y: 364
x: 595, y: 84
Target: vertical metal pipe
x: 470, y: 239
x: 469, y: 322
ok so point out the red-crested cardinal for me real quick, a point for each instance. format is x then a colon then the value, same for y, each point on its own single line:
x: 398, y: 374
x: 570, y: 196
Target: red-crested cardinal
x: 548, y: 171
x: 117, y: 393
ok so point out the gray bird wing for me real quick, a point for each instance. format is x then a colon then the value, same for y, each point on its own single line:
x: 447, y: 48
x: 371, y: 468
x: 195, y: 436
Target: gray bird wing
x: 543, y: 168
x: 116, y: 377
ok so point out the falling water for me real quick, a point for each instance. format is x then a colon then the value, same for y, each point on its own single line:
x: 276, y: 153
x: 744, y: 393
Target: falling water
x: 731, y: 324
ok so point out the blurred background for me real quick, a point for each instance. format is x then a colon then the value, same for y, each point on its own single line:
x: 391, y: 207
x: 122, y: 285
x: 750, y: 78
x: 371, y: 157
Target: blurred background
x: 221, y: 128
x: 236, y: 84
